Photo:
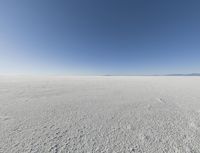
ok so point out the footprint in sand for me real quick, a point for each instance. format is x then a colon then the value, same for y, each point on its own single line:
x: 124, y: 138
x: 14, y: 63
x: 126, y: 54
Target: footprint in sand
x: 4, y: 118
x: 161, y: 100
x: 149, y: 107
x: 198, y: 112
x: 194, y: 125
x: 144, y: 138
x: 128, y: 127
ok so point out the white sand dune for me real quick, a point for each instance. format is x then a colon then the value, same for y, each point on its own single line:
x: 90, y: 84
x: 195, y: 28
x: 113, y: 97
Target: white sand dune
x: 100, y: 114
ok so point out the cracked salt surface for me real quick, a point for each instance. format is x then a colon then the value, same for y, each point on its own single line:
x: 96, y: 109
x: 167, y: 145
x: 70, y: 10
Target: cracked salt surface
x: 99, y: 114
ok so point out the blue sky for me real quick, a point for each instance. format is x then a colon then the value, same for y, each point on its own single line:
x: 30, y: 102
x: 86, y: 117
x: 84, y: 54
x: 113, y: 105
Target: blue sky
x: 97, y: 37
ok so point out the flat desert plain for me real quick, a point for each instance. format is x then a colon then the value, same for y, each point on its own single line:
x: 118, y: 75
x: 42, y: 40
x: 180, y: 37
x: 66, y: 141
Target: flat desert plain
x: 99, y: 114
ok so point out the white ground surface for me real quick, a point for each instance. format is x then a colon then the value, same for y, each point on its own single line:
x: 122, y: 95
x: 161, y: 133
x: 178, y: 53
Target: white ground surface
x: 100, y: 114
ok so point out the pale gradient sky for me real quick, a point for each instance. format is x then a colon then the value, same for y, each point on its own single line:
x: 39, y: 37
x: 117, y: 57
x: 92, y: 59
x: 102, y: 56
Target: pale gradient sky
x: 99, y: 37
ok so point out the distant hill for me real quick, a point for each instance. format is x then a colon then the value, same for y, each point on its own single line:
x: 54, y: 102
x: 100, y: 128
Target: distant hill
x: 190, y: 74
x: 173, y: 74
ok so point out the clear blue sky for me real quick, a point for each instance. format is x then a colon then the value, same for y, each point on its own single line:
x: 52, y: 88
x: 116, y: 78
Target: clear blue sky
x: 99, y: 36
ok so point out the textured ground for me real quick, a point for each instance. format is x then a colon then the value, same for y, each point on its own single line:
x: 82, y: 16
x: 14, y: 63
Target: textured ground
x: 100, y: 114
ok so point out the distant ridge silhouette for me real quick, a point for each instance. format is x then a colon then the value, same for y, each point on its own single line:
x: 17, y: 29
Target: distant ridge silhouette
x: 173, y: 74
x: 190, y: 74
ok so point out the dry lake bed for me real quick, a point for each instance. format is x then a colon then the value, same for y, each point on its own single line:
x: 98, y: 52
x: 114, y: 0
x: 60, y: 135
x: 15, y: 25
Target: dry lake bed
x: 102, y: 114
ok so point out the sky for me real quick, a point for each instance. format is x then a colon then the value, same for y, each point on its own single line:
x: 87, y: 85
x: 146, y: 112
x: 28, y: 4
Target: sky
x: 99, y: 37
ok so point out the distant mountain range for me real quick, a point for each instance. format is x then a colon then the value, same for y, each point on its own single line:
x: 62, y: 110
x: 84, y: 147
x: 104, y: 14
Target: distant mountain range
x: 190, y: 74
x: 178, y: 74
